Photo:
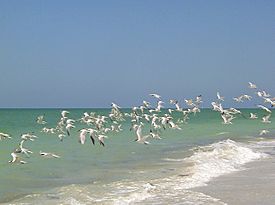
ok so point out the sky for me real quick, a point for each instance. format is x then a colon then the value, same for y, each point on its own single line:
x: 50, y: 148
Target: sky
x: 90, y: 53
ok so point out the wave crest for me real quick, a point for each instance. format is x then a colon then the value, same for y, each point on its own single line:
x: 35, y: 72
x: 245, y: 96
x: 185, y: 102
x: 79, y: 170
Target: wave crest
x: 217, y: 159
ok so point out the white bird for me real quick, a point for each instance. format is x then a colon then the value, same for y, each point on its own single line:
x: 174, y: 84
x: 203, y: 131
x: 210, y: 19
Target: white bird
x: 16, y: 159
x: 40, y: 120
x: 194, y: 110
x: 154, y: 135
x: 86, y: 117
x: 68, y: 128
x: 264, y: 132
x: 146, y: 117
x: 146, y: 104
x: 238, y: 99
x: 198, y: 100
x: 251, y: 85
x: 82, y: 136
x: 173, y: 125
x: 48, y: 130
x: 48, y: 155
x: 234, y: 111
x: 227, y: 118
x: 189, y: 102
x: 70, y: 121
x: 217, y: 107
x: 23, y: 149
x: 61, y: 136
x: 176, y: 103
x: 64, y: 113
x: 246, y: 97
x: 265, y: 94
x: 220, y: 98
x: 28, y: 136
x: 155, y: 95
x: 264, y: 108
x: 259, y: 93
x: 265, y: 119
x: 115, y: 106
x: 101, y: 139
x: 253, y: 116
x: 141, y: 139
x: 159, y: 106
x: 268, y: 100
x: 4, y: 136
x: 92, y: 134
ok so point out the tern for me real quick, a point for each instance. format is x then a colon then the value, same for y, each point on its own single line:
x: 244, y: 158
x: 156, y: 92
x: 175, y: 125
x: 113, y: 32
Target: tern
x: 154, y: 135
x: 246, y: 97
x: 264, y: 132
x: 251, y: 85
x: 61, y: 137
x: 189, y: 102
x: 238, y: 99
x: 220, y: 98
x: 268, y: 100
x: 155, y: 95
x: 64, y: 113
x: 264, y: 108
x: 4, y: 136
x: 92, y: 134
x: 253, y: 116
x: 68, y: 128
x: 227, y: 118
x: 198, y: 100
x: 173, y: 125
x: 40, y: 120
x: 265, y: 119
x: 115, y: 106
x: 28, y: 136
x: 16, y: 159
x: 141, y: 139
x: 48, y: 155
x: 159, y: 106
x: 101, y: 139
x: 217, y: 107
x: 146, y: 104
x: 82, y: 136
x: 23, y: 150
x: 176, y: 103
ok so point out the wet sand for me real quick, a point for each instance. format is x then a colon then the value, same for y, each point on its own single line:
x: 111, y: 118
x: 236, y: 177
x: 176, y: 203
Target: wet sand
x: 253, y: 186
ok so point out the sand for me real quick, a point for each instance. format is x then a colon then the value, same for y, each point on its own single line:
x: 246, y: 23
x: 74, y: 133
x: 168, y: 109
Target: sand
x: 255, y: 185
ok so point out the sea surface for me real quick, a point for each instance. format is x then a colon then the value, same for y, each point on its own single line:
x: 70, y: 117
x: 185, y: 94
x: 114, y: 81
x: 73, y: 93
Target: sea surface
x: 123, y: 171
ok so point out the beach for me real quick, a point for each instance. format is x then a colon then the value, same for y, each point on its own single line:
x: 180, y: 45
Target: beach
x: 254, y: 185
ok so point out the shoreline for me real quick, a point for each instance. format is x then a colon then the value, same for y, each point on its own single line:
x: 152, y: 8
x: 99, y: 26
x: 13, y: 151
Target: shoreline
x: 254, y: 185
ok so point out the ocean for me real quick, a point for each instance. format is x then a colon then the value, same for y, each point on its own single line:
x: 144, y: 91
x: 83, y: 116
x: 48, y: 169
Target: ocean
x: 166, y: 171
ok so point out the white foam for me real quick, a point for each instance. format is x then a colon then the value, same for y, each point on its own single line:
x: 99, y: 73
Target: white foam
x: 173, y: 160
x: 264, y: 143
x: 133, y: 198
x: 218, y: 159
x: 73, y: 201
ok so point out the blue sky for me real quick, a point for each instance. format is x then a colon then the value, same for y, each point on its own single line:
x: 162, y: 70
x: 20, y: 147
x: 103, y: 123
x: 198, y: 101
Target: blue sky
x: 91, y: 53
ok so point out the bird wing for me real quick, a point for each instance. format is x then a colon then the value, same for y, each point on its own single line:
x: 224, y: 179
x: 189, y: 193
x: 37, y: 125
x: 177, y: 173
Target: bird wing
x: 82, y: 138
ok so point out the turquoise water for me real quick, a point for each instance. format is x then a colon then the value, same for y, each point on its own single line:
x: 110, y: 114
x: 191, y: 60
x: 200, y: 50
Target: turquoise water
x: 122, y: 172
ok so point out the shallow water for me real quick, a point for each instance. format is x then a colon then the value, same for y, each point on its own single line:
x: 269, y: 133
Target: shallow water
x: 125, y: 172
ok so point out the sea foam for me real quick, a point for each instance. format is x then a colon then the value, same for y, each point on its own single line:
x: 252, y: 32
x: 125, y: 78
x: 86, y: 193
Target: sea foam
x: 217, y: 159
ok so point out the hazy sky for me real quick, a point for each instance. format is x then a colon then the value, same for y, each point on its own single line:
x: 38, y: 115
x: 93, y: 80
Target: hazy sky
x: 91, y: 53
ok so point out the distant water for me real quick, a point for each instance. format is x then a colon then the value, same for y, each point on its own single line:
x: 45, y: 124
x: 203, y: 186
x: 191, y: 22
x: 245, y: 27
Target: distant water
x: 125, y: 172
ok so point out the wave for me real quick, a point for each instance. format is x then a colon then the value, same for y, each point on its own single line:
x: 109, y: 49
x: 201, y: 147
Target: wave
x: 217, y: 159
x: 205, y: 163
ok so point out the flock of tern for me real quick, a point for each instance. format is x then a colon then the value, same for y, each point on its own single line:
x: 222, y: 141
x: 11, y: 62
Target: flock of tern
x: 98, y: 126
